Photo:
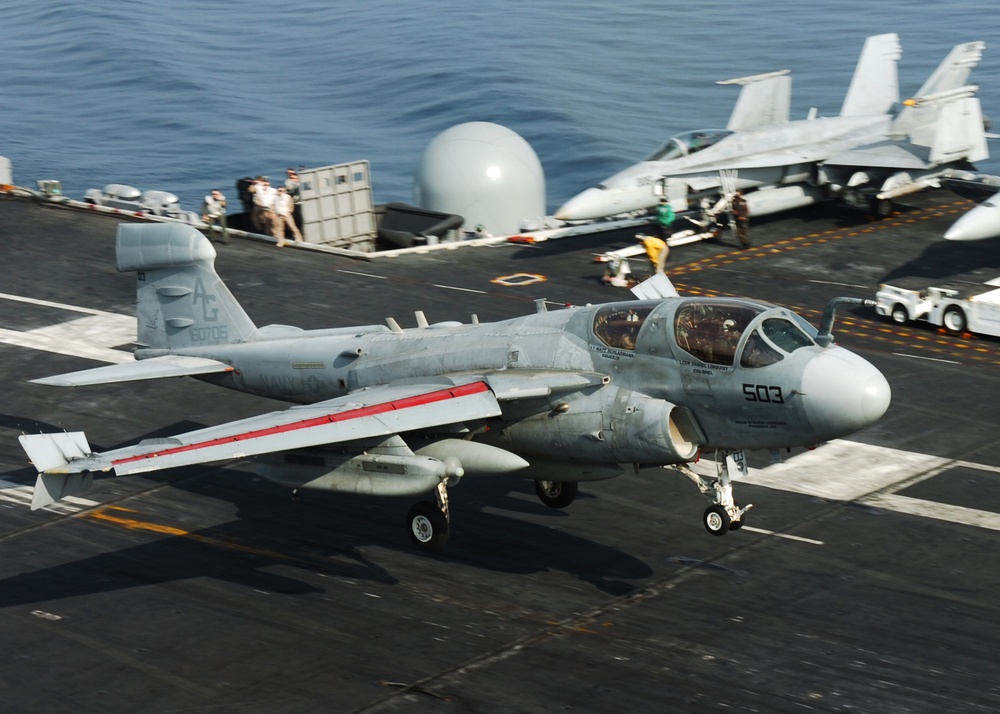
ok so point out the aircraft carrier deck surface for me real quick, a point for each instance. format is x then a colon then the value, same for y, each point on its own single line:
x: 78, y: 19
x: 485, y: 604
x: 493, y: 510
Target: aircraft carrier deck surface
x: 866, y: 579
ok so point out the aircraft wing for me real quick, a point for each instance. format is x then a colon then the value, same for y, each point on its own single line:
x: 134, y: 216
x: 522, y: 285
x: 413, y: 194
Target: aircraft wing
x: 154, y: 368
x: 378, y: 412
x: 881, y: 156
x: 975, y: 187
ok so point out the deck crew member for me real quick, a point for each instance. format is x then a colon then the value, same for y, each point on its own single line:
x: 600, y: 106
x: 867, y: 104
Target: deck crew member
x: 664, y: 218
x: 213, y: 213
x: 284, y: 206
x: 741, y: 216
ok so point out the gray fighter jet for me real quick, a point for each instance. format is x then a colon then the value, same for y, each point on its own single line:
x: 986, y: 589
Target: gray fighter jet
x: 983, y: 221
x: 864, y: 157
x: 559, y: 396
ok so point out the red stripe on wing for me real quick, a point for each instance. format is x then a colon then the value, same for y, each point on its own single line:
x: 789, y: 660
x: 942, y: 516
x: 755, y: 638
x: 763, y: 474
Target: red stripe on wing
x: 361, y: 412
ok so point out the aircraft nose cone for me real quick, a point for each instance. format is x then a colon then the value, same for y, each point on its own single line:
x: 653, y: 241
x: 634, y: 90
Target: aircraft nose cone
x: 843, y: 393
x: 980, y: 223
x: 583, y: 206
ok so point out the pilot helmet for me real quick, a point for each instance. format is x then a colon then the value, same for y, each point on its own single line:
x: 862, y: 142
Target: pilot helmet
x: 728, y: 325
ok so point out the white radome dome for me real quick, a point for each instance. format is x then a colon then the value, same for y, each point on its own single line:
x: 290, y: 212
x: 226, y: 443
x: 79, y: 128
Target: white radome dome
x: 484, y: 172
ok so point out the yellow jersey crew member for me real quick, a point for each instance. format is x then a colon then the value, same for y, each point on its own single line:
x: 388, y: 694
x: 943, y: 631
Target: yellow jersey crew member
x: 657, y: 250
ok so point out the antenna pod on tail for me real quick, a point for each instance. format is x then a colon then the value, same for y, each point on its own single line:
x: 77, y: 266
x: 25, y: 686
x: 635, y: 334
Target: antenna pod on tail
x: 180, y: 299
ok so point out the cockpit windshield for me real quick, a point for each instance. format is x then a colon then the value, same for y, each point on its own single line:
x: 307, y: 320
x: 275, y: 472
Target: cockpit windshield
x: 618, y: 325
x: 785, y: 335
x: 688, y: 143
x: 711, y: 331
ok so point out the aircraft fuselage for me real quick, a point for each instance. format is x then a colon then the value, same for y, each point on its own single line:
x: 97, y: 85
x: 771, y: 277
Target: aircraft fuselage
x: 778, y: 155
x: 720, y: 373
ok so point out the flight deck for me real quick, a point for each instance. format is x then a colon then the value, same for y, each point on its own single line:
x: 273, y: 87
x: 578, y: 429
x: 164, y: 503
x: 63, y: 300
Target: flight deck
x: 864, y: 580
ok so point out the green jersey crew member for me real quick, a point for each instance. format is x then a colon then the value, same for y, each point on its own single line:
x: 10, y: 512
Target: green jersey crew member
x: 664, y: 218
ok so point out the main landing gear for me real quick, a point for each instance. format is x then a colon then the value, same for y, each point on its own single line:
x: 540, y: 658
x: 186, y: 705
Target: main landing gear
x: 556, y: 494
x: 430, y: 523
x: 724, y: 514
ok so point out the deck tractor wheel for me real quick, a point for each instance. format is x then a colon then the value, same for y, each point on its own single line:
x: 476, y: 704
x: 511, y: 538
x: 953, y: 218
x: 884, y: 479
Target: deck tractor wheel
x: 954, y: 319
x: 899, y: 314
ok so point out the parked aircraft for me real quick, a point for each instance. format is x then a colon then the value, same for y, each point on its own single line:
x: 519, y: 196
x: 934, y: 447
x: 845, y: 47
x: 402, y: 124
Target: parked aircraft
x: 561, y: 397
x: 864, y: 157
x: 983, y: 221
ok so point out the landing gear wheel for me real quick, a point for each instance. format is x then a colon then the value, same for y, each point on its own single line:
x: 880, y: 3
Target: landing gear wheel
x: 954, y: 319
x: 427, y: 526
x: 717, y: 521
x: 882, y: 207
x: 736, y: 525
x: 899, y: 314
x: 557, y: 494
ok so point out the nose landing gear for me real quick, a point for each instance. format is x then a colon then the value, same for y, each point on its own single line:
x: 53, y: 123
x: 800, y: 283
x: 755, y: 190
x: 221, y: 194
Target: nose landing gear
x: 724, y: 514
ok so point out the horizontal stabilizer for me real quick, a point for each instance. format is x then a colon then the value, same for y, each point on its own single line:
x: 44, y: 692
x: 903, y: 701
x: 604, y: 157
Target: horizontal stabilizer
x: 900, y: 157
x: 154, y: 368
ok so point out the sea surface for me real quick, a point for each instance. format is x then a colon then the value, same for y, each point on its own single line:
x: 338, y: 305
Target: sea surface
x: 184, y: 96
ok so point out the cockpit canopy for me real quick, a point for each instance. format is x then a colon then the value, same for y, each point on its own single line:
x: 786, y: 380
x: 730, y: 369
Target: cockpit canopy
x: 688, y: 143
x: 617, y: 325
x: 713, y: 332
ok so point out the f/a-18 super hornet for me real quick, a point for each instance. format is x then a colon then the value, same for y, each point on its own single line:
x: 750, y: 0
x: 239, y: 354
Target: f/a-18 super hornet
x: 865, y: 157
x: 560, y: 397
x: 982, y: 221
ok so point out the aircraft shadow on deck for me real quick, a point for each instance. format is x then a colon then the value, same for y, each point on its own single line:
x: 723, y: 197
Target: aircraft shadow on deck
x: 944, y: 259
x: 320, y: 533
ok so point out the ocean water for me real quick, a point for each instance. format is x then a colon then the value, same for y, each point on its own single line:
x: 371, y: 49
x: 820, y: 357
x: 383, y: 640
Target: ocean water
x: 184, y: 96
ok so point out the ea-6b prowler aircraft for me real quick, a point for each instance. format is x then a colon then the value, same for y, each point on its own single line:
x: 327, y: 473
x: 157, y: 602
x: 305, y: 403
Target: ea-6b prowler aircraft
x: 559, y: 396
x: 865, y: 157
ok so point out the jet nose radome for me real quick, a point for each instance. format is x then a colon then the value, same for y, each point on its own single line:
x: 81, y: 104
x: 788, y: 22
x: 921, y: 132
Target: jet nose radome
x: 980, y: 223
x: 584, y: 206
x: 843, y: 393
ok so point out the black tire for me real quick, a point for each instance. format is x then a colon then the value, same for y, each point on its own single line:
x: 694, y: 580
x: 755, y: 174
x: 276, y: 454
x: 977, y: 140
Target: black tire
x: 716, y: 520
x: 427, y: 526
x: 899, y: 314
x: 557, y: 494
x: 882, y: 207
x: 954, y: 320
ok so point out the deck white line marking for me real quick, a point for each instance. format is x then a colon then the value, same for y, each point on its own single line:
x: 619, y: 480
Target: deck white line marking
x: 872, y: 475
x: 464, y: 290
x: 364, y: 275
x: 91, y: 337
x: 929, y: 359
x: 61, y: 306
x: 789, y: 536
x: 843, y: 285
x: 21, y: 495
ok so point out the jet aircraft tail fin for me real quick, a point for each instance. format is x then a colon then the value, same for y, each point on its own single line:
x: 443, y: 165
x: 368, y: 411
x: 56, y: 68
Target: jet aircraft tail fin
x: 180, y: 299
x: 764, y: 100
x: 953, y: 72
x: 51, y: 455
x: 941, y: 97
x: 875, y: 85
